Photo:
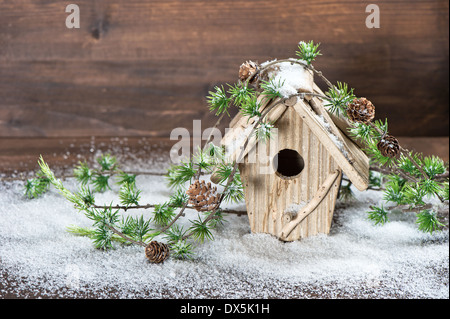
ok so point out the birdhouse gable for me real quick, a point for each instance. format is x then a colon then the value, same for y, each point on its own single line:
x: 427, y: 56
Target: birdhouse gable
x: 349, y: 156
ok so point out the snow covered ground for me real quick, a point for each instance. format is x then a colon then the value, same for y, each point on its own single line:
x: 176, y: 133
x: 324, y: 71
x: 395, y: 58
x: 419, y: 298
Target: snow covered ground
x: 39, y: 258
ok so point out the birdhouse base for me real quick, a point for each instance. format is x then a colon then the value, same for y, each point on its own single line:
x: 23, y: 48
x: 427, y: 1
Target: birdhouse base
x: 311, y: 218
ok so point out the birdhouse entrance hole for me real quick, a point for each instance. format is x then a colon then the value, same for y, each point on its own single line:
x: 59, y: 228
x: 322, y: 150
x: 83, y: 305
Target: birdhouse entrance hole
x: 288, y: 164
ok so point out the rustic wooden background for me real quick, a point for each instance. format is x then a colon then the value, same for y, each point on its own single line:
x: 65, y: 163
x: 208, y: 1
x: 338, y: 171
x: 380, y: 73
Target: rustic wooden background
x: 144, y: 67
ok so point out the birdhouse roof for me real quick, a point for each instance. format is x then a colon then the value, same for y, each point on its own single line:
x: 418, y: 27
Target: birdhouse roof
x: 348, y: 155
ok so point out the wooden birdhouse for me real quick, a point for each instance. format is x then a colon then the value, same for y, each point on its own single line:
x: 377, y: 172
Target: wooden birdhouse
x: 291, y: 188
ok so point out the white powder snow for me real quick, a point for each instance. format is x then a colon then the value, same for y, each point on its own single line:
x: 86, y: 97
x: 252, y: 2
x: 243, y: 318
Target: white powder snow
x: 38, y: 257
x: 293, y: 77
x: 333, y: 137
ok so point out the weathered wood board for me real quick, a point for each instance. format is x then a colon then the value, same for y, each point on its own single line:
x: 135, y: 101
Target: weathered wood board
x: 138, y: 67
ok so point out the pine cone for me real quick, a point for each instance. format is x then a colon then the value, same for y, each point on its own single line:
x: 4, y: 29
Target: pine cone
x: 156, y: 252
x: 361, y: 110
x: 202, y: 196
x: 389, y: 146
x: 247, y: 70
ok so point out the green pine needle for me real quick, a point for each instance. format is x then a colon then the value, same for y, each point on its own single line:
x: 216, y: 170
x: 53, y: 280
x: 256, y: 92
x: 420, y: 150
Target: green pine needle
x: 393, y: 193
x: 87, y: 196
x: 378, y: 215
x: 414, y: 194
x: 382, y: 129
x: 178, y: 175
x: 35, y: 187
x: 178, y: 199
x: 107, y: 162
x: 82, y: 173
x: 124, y: 178
x: 216, y: 152
x: 433, y: 165
x: 163, y: 214
x: 271, y: 89
x: 308, y: 51
x: 250, y: 107
x: 90, y: 233
x: 263, y: 131
x: 182, y: 250
x: 73, y: 198
x: 405, y: 164
x: 218, y: 101
x: 102, y: 237
x: 430, y: 187
x: 362, y: 131
x: 101, y: 182
x: 445, y: 190
x: 345, y: 193
x: 218, y: 219
x: 202, y: 159
x: 375, y: 179
x: 223, y: 171
x: 129, y: 195
x: 338, y: 98
x: 200, y: 230
x: 240, y: 92
x: 375, y: 155
x: 428, y: 221
x: 141, y: 228
x: 234, y: 192
x: 174, y: 234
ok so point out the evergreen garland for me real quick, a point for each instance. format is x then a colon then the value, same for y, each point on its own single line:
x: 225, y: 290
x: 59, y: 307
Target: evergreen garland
x: 407, y: 180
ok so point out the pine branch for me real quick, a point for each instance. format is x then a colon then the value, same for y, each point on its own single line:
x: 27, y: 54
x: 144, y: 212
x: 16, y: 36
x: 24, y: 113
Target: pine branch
x: 308, y: 51
x: 125, y: 237
x: 233, y: 172
x: 104, y: 219
x: 408, y: 155
x: 147, y: 206
x: 405, y: 151
x: 65, y: 176
x: 197, y: 174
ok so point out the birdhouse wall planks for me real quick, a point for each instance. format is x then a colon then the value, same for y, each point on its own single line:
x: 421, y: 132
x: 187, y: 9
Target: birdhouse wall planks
x: 291, y: 186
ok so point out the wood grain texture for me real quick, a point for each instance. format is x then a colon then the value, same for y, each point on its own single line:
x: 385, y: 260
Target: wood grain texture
x: 21, y: 154
x: 358, y: 169
x: 268, y: 196
x: 318, y: 198
x: 139, y: 67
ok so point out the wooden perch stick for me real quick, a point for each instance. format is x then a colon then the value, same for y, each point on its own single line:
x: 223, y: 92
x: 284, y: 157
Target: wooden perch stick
x: 309, y: 208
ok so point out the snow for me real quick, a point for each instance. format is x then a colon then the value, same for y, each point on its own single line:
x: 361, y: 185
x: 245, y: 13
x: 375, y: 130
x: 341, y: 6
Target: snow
x: 333, y: 137
x: 38, y: 257
x: 293, y: 77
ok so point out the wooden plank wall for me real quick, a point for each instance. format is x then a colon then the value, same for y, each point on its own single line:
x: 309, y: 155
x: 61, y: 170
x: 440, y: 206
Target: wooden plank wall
x: 143, y: 67
x: 269, y: 196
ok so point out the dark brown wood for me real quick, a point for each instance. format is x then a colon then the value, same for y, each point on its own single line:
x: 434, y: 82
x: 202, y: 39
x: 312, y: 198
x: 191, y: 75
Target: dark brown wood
x: 138, y: 67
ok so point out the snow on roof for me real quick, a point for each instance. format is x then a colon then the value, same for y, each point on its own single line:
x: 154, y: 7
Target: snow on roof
x: 293, y: 78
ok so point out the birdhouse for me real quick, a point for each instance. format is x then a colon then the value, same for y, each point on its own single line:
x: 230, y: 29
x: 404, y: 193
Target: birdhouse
x: 291, y: 186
